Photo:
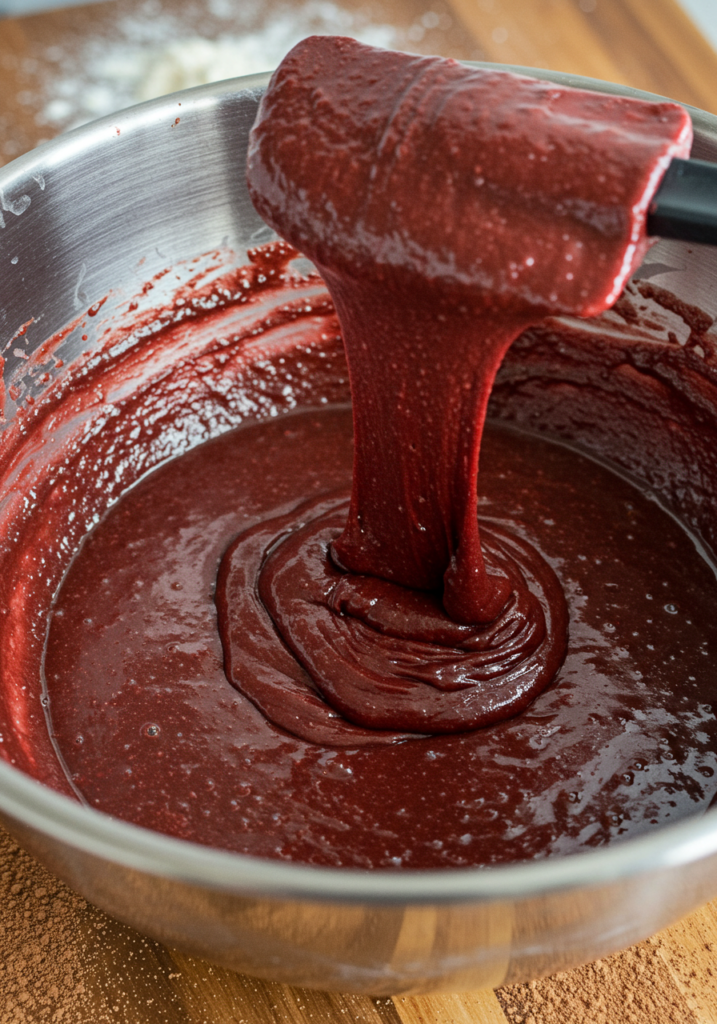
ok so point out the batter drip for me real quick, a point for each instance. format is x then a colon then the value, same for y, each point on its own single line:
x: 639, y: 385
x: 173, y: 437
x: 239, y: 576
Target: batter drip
x: 447, y: 210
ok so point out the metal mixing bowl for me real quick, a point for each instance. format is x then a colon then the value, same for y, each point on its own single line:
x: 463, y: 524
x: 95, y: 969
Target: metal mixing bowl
x: 77, y: 217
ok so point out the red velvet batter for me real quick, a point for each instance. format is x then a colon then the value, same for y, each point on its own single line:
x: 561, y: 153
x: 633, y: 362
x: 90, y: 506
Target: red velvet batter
x: 140, y: 706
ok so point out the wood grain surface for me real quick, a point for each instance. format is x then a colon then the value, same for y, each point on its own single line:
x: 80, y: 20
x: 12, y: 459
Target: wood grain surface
x: 62, y: 960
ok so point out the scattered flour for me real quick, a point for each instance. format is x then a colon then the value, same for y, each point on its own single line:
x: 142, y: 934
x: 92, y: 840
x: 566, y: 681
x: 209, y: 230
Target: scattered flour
x: 153, y: 53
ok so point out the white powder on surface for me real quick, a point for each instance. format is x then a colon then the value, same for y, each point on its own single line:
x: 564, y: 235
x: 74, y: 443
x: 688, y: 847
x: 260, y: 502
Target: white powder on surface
x: 154, y: 54
x: 189, y: 62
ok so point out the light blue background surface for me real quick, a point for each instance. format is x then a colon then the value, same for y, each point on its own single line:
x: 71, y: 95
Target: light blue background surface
x: 704, y: 15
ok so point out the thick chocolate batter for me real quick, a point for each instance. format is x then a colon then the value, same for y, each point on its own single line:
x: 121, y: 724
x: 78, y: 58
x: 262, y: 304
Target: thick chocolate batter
x: 625, y: 737
x: 315, y: 765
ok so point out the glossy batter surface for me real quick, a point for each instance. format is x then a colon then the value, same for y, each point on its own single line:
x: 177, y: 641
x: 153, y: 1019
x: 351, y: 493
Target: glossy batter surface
x: 151, y: 730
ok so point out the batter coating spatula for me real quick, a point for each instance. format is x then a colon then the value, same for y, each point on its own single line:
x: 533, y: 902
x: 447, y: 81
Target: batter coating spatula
x: 685, y: 204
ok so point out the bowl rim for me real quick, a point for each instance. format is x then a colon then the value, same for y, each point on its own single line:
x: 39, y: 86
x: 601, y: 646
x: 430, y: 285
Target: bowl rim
x: 33, y: 805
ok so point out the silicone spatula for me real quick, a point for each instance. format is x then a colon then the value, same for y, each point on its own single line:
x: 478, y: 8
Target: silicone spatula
x: 685, y: 204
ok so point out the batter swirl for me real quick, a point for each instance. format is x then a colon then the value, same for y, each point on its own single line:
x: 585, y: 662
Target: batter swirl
x: 366, y: 661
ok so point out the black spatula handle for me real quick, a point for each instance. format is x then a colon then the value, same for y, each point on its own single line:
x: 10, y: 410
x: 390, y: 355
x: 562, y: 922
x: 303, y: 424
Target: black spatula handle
x: 685, y: 204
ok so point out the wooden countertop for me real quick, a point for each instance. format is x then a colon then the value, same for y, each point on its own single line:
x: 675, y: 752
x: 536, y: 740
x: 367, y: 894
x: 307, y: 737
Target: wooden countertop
x: 62, y: 960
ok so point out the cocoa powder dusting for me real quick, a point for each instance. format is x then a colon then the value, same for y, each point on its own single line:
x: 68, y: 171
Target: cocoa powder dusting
x: 632, y: 987
x: 62, y: 960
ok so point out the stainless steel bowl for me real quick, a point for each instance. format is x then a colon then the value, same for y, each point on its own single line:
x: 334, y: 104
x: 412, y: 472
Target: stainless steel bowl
x: 78, y: 216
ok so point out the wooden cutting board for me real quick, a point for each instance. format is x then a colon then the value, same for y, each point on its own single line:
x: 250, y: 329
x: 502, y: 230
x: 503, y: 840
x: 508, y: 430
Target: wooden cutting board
x: 62, y: 960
